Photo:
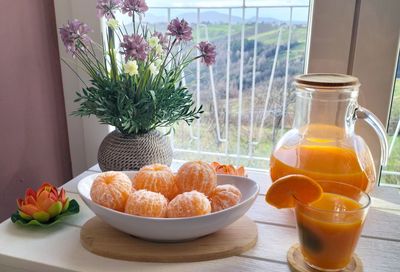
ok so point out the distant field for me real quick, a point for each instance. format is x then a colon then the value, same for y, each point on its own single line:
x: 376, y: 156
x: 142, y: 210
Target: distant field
x: 267, y: 38
x: 267, y: 34
x: 395, y: 113
x: 298, y: 35
x: 394, y: 159
x: 270, y: 37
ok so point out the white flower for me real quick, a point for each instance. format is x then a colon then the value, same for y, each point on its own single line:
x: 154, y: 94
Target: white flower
x: 159, y: 49
x: 153, y: 69
x: 153, y: 41
x: 113, y: 23
x: 158, y: 62
x: 131, y: 68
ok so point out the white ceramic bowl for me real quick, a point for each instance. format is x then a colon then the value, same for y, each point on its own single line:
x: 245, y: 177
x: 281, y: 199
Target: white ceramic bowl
x: 174, y: 229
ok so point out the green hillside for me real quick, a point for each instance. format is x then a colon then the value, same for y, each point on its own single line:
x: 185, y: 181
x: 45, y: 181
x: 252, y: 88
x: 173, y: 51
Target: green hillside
x: 394, y: 159
x: 395, y: 112
x: 298, y: 34
x: 267, y: 38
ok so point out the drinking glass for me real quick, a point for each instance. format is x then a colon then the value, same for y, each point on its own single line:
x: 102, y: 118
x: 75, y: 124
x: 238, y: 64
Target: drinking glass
x: 329, y: 228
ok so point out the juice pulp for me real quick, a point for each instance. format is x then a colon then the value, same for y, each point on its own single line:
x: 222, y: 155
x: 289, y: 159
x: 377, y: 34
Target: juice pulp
x: 323, y: 163
x: 328, y: 235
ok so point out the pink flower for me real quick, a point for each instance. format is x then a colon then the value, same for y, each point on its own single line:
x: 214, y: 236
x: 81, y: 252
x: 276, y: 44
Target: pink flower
x: 106, y: 7
x: 180, y: 29
x: 74, y: 35
x: 135, y: 47
x: 131, y: 6
x: 208, y: 52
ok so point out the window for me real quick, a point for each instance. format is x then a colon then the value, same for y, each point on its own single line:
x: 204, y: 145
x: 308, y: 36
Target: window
x: 391, y: 173
x: 247, y: 95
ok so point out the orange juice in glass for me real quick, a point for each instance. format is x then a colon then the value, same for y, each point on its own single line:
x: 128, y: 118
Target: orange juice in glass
x: 329, y: 228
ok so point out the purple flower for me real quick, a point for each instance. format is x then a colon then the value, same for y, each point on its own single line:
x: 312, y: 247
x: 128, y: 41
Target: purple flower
x: 134, y: 46
x: 131, y: 6
x: 74, y: 35
x: 180, y: 29
x: 105, y: 8
x: 162, y: 39
x: 208, y: 52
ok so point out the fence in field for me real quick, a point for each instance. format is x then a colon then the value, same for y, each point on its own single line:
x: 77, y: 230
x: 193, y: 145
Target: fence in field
x: 222, y: 120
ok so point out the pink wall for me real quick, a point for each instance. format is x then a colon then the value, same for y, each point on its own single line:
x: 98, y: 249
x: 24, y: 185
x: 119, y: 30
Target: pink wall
x: 33, y: 131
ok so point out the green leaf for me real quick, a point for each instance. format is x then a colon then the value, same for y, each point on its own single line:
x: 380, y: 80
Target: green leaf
x: 138, y: 104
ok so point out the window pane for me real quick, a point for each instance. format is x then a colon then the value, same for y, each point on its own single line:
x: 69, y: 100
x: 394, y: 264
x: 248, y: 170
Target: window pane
x: 391, y: 173
x: 247, y: 96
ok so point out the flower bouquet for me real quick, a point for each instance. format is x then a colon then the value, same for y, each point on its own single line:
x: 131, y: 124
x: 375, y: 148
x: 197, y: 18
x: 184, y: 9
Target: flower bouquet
x: 135, y: 78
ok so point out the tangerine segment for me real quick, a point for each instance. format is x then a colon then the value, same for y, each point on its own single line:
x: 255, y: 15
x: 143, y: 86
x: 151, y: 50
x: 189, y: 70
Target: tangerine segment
x: 146, y: 203
x: 156, y: 178
x: 224, y: 196
x: 228, y: 169
x: 196, y: 175
x: 284, y: 192
x: 111, y: 189
x: 189, y: 204
x: 240, y: 171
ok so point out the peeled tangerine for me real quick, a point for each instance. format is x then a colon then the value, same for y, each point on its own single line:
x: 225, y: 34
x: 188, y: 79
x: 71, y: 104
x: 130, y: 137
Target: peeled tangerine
x: 146, y: 203
x: 224, y: 196
x: 196, y: 175
x: 111, y: 189
x: 156, y: 178
x: 285, y: 191
x: 189, y: 204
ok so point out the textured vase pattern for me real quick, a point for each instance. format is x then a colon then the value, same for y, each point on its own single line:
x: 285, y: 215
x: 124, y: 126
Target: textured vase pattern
x: 120, y: 152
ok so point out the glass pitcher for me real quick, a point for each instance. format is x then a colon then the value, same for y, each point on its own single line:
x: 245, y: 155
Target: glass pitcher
x: 322, y: 143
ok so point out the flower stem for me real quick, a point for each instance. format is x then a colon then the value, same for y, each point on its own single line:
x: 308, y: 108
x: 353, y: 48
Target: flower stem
x: 111, y: 47
x: 74, y: 71
x: 133, y: 23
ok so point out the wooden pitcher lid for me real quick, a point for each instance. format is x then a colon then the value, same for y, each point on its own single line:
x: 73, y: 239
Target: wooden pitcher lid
x: 327, y: 80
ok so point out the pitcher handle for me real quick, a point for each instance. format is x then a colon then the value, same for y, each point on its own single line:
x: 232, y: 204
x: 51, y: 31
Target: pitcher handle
x: 373, y: 121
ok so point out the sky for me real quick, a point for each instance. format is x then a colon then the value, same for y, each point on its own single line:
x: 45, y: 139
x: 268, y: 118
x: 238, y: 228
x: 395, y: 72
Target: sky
x: 267, y: 8
x: 224, y: 3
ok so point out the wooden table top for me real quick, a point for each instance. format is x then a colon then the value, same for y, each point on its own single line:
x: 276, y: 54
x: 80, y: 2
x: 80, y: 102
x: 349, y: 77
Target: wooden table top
x: 59, y: 249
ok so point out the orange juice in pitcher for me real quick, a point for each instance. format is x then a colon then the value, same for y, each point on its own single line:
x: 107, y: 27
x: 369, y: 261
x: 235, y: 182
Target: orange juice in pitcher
x: 322, y: 143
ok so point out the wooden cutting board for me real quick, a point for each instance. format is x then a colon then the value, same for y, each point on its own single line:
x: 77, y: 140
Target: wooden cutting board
x: 102, y: 239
